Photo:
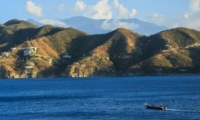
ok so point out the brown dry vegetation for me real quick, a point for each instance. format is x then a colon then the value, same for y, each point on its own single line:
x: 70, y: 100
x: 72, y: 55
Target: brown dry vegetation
x: 100, y: 51
x: 118, y: 52
x: 44, y: 48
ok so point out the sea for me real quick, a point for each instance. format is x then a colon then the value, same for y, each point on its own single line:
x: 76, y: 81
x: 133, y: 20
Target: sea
x: 100, y: 98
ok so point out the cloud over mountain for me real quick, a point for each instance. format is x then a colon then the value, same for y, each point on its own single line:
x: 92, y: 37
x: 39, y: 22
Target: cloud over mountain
x: 194, y: 6
x: 157, y: 18
x: 104, y: 9
x: 99, y: 26
x: 114, y: 24
x: 53, y: 22
x: 33, y: 9
x: 122, y: 11
x: 79, y: 6
x: 191, y: 17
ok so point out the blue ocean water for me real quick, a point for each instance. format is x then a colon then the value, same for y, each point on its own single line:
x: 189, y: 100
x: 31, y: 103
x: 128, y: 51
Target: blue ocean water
x: 109, y: 98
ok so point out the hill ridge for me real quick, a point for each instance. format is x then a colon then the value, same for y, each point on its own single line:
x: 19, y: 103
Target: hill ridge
x: 68, y: 52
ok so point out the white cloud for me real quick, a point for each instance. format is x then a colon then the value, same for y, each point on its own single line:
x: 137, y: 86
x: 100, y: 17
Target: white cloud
x: 175, y: 25
x: 156, y: 18
x: 192, y: 19
x: 53, y: 22
x: 102, y: 10
x: 186, y: 15
x: 80, y: 5
x: 194, y: 6
x: 114, y: 24
x: 33, y: 9
x: 116, y: 3
x: 195, y: 24
x: 133, y: 12
x: 123, y: 12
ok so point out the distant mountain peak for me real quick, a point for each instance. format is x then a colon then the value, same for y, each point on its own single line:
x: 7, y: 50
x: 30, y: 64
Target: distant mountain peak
x: 79, y: 17
x: 99, y: 26
x: 35, y: 22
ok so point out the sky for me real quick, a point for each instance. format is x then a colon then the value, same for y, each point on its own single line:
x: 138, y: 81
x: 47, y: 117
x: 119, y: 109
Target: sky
x: 169, y: 13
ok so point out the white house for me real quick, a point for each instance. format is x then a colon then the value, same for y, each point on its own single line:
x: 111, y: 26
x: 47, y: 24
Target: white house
x: 5, y: 54
x: 83, y: 65
x: 29, y: 65
x: 30, y: 50
x: 12, y: 49
x: 34, y: 49
x: 49, y: 61
x: 27, y: 52
x: 107, y: 58
x: 67, y: 56
x: 182, y: 70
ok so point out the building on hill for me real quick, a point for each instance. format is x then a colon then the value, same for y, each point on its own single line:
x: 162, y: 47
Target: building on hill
x: 107, y: 58
x: 29, y: 65
x: 49, y: 61
x: 167, y: 48
x: 5, y: 54
x: 83, y: 65
x: 13, y: 48
x: 182, y: 70
x: 29, y: 50
x: 66, y: 55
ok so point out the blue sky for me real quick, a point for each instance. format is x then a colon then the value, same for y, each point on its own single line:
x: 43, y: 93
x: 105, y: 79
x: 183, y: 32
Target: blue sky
x: 170, y: 13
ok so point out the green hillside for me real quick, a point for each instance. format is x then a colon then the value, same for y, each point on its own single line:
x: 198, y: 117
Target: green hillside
x: 19, y: 24
x: 181, y: 37
x: 66, y: 52
x: 62, y: 40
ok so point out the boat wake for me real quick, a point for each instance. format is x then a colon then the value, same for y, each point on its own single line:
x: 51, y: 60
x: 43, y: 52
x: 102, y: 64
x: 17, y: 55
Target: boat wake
x: 181, y: 110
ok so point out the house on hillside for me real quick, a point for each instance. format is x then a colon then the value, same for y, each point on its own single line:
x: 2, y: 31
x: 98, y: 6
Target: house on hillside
x: 182, y: 70
x: 66, y: 55
x: 29, y: 50
x: 29, y: 65
x: 83, y: 65
x: 108, y: 58
x: 13, y: 48
x: 5, y: 54
x: 49, y: 61
x: 168, y: 47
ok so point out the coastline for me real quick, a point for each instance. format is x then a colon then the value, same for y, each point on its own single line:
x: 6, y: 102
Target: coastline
x: 146, y: 75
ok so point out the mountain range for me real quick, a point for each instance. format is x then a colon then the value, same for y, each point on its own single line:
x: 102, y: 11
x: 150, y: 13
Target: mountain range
x: 101, y: 26
x: 29, y: 51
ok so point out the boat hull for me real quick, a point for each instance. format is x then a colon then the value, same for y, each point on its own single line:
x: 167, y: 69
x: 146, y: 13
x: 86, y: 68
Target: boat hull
x: 158, y: 107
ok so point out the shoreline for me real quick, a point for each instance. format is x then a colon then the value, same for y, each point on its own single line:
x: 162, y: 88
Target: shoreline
x: 61, y: 77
